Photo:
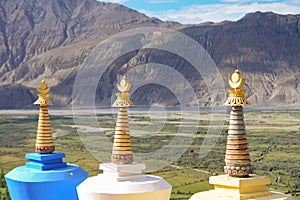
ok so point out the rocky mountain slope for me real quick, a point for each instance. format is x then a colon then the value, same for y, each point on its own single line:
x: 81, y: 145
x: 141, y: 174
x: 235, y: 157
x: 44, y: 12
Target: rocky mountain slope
x: 41, y: 39
x: 265, y: 46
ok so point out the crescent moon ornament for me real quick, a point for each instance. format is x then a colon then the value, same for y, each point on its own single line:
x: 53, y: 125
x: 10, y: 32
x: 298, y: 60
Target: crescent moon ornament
x: 43, y: 91
x: 236, y: 81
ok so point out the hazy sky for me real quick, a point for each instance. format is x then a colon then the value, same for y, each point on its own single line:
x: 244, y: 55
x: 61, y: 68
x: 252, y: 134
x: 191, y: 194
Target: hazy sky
x: 197, y: 11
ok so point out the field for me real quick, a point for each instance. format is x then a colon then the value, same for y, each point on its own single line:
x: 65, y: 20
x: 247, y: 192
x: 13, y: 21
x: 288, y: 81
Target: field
x: 274, y: 139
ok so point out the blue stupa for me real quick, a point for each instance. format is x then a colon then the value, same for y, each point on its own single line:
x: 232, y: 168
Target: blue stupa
x: 45, y: 176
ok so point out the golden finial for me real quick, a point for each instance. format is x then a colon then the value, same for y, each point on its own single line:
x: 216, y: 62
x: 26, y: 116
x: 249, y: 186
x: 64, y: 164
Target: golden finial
x: 237, y: 96
x: 123, y: 99
x: 44, y: 97
x: 236, y: 81
x: 44, y: 141
x: 124, y: 86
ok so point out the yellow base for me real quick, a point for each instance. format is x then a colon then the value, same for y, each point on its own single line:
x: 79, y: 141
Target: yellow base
x: 232, y: 188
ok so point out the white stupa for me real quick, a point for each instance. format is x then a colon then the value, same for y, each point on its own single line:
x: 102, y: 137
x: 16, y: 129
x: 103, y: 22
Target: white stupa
x: 123, y: 178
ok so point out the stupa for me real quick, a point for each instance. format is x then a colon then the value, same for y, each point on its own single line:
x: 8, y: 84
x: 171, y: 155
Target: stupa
x: 239, y: 182
x: 123, y: 178
x: 45, y: 176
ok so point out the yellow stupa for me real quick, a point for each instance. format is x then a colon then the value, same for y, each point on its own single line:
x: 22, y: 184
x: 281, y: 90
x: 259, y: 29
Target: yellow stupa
x: 122, y: 150
x: 44, y: 141
x: 238, y: 182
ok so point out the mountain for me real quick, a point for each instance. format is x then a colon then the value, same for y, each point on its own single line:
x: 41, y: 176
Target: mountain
x: 41, y: 39
x: 265, y: 47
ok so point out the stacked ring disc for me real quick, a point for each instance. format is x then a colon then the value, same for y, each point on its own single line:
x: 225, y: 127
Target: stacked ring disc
x: 44, y: 140
x: 237, y: 156
x: 122, y: 151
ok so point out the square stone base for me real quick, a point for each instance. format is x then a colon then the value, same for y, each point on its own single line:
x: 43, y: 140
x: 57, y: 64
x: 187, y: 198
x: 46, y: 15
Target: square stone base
x: 216, y: 195
x: 44, y: 162
x: 233, y: 188
x: 242, y: 188
x: 133, y: 171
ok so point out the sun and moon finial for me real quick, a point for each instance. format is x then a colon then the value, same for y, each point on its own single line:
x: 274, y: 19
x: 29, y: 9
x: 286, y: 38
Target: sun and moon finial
x: 236, y: 80
x: 237, y: 96
x: 124, y: 86
x: 123, y: 98
x: 44, y: 97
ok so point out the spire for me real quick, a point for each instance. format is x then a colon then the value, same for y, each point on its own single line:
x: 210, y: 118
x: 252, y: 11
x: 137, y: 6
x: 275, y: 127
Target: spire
x: 122, y: 150
x: 44, y: 140
x: 237, y: 156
